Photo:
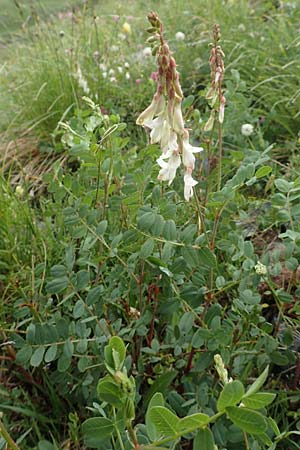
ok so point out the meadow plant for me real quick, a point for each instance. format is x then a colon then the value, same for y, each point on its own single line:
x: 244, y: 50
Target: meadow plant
x: 164, y: 115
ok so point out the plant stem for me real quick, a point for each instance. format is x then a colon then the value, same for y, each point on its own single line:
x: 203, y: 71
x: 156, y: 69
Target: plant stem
x: 117, y: 430
x: 132, y: 435
x: 5, y: 434
x: 220, y: 146
x: 246, y: 441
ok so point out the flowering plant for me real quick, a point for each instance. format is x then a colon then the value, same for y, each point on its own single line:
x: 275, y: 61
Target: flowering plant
x: 164, y: 115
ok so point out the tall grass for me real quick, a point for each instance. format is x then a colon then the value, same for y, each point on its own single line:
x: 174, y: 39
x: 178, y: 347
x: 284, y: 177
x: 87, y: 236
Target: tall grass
x: 39, y: 83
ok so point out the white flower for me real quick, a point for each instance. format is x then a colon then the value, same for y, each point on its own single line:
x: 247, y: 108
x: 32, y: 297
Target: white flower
x: 178, y: 124
x: 82, y: 81
x: 103, y: 67
x: 168, y: 169
x: 247, y: 129
x: 260, y: 268
x: 104, y: 74
x: 189, y: 183
x: 147, y: 52
x: 188, y: 151
x: 126, y: 65
x: 127, y: 76
x: 120, y: 69
x: 112, y: 79
x: 156, y: 106
x: 111, y: 72
x: 114, y: 48
x: 180, y: 36
x: 157, y: 127
x: 19, y: 191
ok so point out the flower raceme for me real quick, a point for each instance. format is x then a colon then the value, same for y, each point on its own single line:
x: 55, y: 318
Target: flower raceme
x: 163, y: 117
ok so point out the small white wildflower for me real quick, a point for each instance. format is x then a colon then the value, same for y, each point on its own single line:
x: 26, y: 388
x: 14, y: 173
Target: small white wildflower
x: 120, y: 69
x: 247, y: 129
x: 103, y: 67
x: 168, y: 169
x: 112, y: 79
x: 147, y: 52
x: 127, y: 76
x: 188, y: 151
x: 189, y: 183
x: 82, y: 81
x: 104, y: 74
x: 126, y: 65
x: 111, y: 72
x: 114, y: 48
x: 19, y: 191
x: 180, y: 36
x: 260, y: 268
x: 241, y: 27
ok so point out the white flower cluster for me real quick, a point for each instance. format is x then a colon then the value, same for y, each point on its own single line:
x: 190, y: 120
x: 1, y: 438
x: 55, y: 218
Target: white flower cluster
x: 260, y: 268
x: 164, y: 118
x: 111, y: 73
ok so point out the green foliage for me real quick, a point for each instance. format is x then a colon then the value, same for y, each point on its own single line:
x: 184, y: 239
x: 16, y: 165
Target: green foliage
x: 117, y: 294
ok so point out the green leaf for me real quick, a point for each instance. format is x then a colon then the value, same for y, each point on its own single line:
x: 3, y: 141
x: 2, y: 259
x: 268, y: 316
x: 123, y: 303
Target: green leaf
x: 116, y: 344
x: 156, y: 400
x: 45, y: 445
x: 169, y: 231
x: 24, y: 354
x: 204, y: 440
x: 193, y: 422
x: 57, y: 285
x: 101, y: 228
x: 263, y: 171
x: 51, y: 353
x: 283, y: 185
x: 96, y: 430
x: 147, y: 248
x: 246, y: 419
x: 152, y: 447
x: 37, y: 356
x: 259, y: 400
x: 190, y: 256
x: 110, y: 392
x: 207, y: 257
x: 231, y: 394
x: 68, y: 348
x: 82, y: 280
x: 63, y: 363
x: 164, y: 420
x: 94, y: 295
x: 257, y: 383
x: 146, y: 221
x: 160, y: 385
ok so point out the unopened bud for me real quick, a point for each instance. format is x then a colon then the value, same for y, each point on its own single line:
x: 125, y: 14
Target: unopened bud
x: 222, y: 372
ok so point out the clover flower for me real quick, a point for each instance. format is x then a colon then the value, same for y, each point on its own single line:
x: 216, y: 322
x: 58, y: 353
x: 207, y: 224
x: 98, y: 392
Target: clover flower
x: 163, y: 117
x: 260, y: 268
x: 247, y: 129
x: 180, y: 36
